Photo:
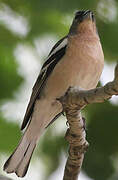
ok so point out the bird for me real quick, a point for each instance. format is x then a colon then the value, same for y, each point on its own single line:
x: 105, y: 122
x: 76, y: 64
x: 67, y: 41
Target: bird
x: 76, y: 60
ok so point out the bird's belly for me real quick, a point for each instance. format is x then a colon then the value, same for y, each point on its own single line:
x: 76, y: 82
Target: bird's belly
x: 84, y: 74
x: 87, y: 75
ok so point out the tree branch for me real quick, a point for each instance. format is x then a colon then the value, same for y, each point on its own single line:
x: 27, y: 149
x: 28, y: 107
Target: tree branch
x: 73, y: 102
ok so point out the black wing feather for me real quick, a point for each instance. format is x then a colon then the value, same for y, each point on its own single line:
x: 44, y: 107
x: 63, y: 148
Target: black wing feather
x: 49, y: 60
x: 46, y: 70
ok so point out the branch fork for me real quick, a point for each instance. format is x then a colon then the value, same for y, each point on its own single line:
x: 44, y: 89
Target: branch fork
x: 73, y: 102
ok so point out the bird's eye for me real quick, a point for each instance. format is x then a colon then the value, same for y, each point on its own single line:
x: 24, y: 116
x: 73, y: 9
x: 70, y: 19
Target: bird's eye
x: 78, y: 14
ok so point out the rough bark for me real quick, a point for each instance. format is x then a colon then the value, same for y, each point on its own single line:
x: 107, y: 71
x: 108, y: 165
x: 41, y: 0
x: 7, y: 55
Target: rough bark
x: 73, y: 102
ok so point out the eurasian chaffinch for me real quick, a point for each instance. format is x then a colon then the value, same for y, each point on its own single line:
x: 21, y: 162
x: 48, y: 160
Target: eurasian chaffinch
x: 76, y: 60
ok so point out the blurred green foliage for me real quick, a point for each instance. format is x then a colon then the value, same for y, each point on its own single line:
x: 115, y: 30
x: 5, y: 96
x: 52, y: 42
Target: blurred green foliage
x: 46, y: 17
x: 51, y: 150
x: 9, y: 134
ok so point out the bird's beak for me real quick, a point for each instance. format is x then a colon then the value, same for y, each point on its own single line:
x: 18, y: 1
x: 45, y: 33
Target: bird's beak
x: 88, y: 15
x: 81, y: 19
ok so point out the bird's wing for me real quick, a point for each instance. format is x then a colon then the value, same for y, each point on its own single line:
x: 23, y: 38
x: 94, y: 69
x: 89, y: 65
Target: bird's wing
x: 53, y: 58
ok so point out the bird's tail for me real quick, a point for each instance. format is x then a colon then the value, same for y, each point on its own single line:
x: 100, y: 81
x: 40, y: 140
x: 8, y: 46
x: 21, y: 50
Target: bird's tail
x: 19, y: 161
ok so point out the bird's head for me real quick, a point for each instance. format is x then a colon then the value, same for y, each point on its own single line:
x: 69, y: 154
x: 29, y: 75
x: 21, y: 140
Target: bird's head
x: 84, y: 21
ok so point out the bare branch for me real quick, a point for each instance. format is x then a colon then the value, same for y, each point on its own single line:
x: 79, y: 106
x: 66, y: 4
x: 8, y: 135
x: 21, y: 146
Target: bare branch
x: 78, y: 145
x: 73, y: 101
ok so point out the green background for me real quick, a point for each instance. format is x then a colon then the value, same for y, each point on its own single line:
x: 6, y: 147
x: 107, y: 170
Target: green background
x: 46, y: 17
